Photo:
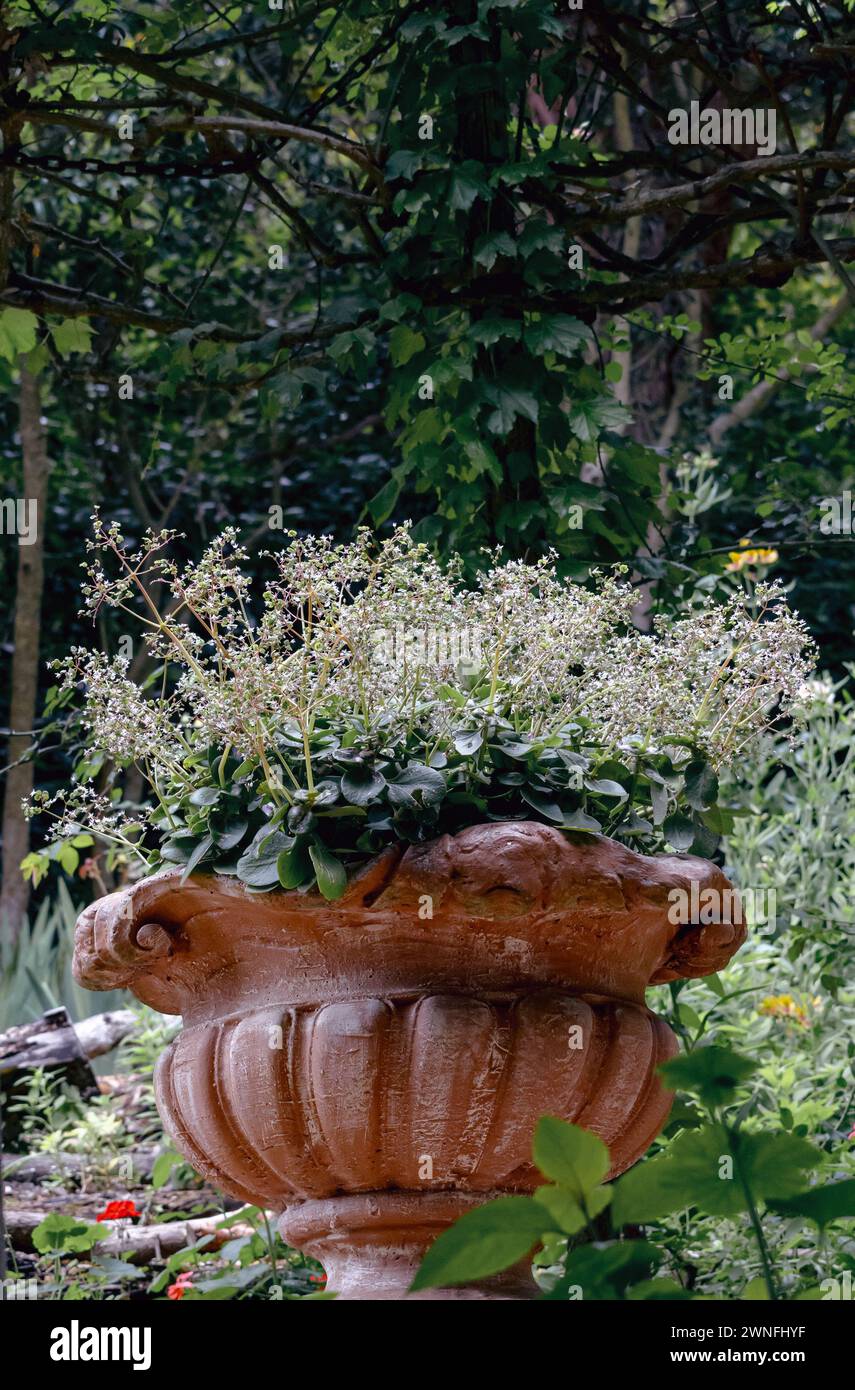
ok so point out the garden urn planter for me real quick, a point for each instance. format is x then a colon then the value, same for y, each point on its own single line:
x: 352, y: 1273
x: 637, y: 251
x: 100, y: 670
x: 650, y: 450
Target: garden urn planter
x: 371, y: 1068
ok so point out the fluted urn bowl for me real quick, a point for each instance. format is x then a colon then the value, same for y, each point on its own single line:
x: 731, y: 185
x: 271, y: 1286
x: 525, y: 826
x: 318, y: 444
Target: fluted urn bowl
x: 371, y: 1068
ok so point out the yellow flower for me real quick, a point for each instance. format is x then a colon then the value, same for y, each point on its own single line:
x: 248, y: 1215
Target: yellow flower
x: 785, y: 1006
x: 743, y: 558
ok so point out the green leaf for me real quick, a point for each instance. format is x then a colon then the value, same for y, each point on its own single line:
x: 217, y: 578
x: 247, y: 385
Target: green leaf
x: 205, y: 796
x: 701, y: 784
x: 162, y: 1168
x: 467, y: 184
x: 231, y: 835
x: 403, y: 164
x: 417, y: 781
x: 579, y: 820
x: 257, y: 866
x: 569, y: 1214
x: 488, y: 331
x: 606, y: 1271
x: 483, y: 1242
x: 822, y: 1205
x: 383, y: 503
x: 68, y: 858
x: 293, y: 866
x: 360, y: 789
x: 708, y: 1168
x: 540, y: 235
x: 17, y: 332
x: 569, y: 1155
x: 604, y: 786
x: 713, y: 1073
x: 329, y: 871
x: 557, y: 333
x: 489, y: 247
x: 202, y: 849
x: 589, y: 418
x: 404, y: 344
x: 71, y: 335
x: 59, y: 1234
x: 509, y: 404
x: 469, y: 741
x: 679, y: 831
x: 658, y: 802
x: 543, y: 804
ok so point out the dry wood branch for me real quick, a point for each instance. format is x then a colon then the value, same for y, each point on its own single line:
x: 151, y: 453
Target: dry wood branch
x: 137, y: 1244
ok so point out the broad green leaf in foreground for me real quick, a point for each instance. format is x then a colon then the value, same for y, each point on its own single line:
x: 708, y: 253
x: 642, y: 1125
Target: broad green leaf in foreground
x: 569, y: 1155
x: 708, y: 1169
x: 483, y: 1242
x: 833, y: 1202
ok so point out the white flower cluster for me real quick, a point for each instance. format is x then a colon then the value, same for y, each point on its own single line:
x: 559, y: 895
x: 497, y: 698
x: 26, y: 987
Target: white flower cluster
x: 550, y: 653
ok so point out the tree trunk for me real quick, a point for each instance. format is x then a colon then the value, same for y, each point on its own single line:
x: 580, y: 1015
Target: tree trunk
x: 15, y: 893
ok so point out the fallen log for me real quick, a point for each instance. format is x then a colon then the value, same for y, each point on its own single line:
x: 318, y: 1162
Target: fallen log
x: 49, y: 1043
x: 136, y: 1244
x: 36, y: 1167
x: 102, y: 1032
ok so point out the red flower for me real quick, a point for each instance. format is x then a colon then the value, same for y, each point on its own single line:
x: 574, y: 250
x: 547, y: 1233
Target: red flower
x: 88, y: 869
x: 317, y: 1278
x: 117, y: 1211
x: 181, y: 1285
x: 851, y: 1134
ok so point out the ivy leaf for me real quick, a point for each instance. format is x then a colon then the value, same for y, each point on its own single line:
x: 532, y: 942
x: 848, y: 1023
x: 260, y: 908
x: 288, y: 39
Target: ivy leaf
x: 488, y: 248
x: 490, y: 330
x: 539, y: 235
x: 17, y: 332
x: 403, y: 164
x: 557, y: 333
x: 404, y: 344
x: 467, y: 184
x: 589, y: 418
x: 509, y: 403
x: 483, y: 1242
x: 71, y: 335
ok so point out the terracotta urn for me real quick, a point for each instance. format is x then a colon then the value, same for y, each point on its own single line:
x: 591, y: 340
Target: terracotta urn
x: 371, y: 1068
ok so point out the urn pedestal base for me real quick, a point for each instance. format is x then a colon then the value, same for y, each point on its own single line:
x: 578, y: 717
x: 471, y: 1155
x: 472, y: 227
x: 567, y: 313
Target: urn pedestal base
x: 371, y: 1244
